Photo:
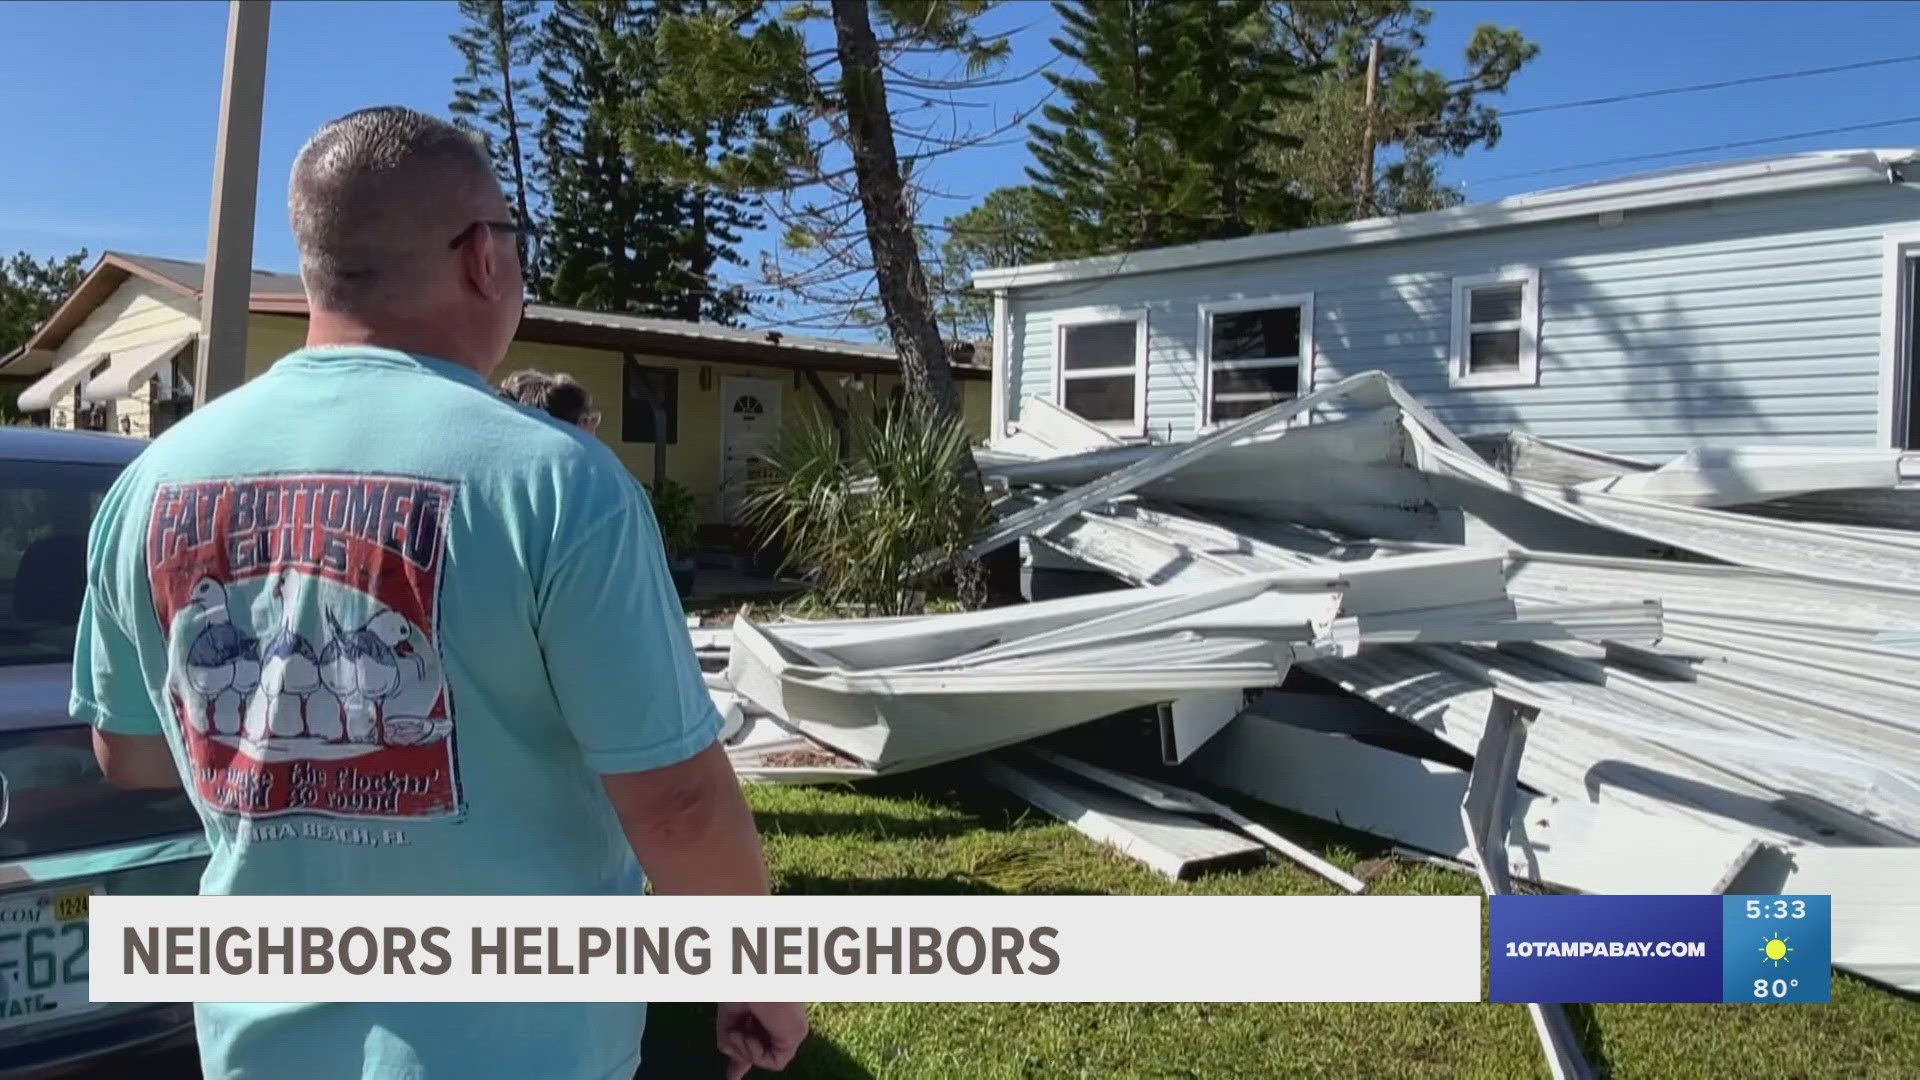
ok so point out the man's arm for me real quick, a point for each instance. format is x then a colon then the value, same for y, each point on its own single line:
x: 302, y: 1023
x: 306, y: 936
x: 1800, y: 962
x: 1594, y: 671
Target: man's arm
x: 690, y: 827
x: 692, y: 830
x: 614, y: 640
x: 135, y: 761
x: 109, y: 688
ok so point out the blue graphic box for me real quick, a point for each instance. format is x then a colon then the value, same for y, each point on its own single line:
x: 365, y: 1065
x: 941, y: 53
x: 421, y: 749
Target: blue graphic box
x: 1659, y: 948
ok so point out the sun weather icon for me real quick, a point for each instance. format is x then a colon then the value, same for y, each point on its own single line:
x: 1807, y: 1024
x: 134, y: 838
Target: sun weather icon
x: 1776, y: 949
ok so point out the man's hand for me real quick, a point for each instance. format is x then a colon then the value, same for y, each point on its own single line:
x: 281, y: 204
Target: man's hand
x: 760, y: 1035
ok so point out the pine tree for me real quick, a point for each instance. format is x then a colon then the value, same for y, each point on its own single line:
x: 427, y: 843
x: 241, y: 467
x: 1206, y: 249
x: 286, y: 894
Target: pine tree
x: 608, y: 234
x: 1164, y: 140
x: 623, y: 233
x: 1226, y: 108
x: 493, y: 97
x: 1103, y: 167
x: 658, y: 133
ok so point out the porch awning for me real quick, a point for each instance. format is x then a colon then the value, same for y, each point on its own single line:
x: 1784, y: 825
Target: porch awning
x: 41, y: 395
x: 131, y: 367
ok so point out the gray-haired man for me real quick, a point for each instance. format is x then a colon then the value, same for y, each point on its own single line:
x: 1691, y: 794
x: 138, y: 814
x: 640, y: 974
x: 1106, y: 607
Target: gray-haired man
x: 404, y: 637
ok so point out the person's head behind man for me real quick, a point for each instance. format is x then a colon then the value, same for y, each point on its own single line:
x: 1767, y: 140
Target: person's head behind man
x: 406, y: 240
x: 560, y: 395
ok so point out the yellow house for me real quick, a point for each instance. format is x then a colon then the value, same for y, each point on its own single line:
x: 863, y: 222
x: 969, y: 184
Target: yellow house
x: 118, y: 355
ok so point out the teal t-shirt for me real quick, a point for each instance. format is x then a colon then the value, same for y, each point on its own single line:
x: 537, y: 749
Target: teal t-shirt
x: 393, y: 628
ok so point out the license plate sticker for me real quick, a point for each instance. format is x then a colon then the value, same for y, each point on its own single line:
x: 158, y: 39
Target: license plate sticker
x: 71, y: 905
x: 43, y: 955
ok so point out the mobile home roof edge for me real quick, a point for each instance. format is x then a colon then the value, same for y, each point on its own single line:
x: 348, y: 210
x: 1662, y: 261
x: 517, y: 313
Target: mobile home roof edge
x: 1721, y: 180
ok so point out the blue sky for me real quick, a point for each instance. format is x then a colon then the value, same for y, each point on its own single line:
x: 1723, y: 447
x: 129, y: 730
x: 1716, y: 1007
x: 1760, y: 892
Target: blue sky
x: 111, y: 107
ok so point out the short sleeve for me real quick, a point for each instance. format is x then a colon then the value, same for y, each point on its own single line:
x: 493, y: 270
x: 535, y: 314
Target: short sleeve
x: 109, y: 684
x: 614, y: 639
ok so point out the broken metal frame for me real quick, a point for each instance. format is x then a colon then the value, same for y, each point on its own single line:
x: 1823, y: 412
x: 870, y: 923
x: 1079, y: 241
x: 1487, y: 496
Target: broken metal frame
x: 1414, y: 801
x: 1485, y: 812
x: 1180, y: 800
x: 1174, y: 844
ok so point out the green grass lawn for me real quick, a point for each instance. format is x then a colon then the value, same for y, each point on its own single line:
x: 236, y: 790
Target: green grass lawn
x: 937, y: 832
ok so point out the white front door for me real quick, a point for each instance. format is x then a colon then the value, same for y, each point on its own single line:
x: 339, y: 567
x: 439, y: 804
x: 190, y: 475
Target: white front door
x: 749, y: 431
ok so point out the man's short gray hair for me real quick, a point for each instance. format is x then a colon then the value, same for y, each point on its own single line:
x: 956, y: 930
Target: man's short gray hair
x: 375, y: 198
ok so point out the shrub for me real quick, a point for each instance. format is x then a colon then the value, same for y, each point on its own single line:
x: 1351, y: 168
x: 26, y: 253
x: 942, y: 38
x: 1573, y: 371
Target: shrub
x: 857, y: 525
x: 678, y: 516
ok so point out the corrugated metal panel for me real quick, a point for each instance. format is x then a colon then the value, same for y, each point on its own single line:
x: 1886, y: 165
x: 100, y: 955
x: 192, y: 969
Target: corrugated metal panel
x: 1755, y: 320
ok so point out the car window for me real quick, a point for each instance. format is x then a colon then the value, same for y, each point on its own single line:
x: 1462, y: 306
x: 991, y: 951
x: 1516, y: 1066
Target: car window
x: 46, y: 509
x: 57, y: 801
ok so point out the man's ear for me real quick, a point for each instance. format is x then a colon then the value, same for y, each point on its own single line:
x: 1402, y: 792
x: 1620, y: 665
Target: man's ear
x: 480, y: 265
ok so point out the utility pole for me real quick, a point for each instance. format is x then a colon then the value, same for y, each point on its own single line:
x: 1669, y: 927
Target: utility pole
x: 1366, y: 153
x: 222, y: 362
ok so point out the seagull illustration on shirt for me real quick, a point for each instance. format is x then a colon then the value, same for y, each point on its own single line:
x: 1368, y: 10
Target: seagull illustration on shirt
x: 362, y: 666
x: 288, y: 664
x: 221, y: 657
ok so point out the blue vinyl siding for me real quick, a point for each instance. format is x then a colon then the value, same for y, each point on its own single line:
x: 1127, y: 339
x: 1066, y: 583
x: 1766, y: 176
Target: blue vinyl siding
x: 1753, y: 320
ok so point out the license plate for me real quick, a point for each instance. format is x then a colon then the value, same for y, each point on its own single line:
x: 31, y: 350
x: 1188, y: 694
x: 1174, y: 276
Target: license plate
x: 43, y: 955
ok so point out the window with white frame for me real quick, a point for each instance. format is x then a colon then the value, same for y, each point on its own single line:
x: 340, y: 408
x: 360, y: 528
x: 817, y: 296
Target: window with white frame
x: 1256, y: 353
x: 1100, y: 361
x: 1496, y: 320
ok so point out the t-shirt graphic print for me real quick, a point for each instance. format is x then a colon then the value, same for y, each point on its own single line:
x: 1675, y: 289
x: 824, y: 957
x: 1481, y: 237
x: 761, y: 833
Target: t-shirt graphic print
x: 300, y: 615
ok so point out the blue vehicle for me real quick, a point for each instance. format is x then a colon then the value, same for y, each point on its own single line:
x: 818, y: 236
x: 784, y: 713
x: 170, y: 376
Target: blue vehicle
x: 67, y: 835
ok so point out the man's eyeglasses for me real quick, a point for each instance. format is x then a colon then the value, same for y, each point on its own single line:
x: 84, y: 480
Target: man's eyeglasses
x: 467, y: 233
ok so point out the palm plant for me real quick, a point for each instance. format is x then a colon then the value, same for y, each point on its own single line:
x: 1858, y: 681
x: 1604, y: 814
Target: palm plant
x: 858, y: 524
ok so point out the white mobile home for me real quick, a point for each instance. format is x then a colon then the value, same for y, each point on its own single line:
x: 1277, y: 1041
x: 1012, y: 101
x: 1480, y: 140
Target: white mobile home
x: 1769, y: 301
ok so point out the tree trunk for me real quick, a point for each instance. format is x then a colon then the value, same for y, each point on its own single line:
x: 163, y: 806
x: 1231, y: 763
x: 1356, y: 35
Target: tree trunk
x: 700, y: 258
x: 890, y: 236
x: 842, y: 429
x: 901, y: 278
x: 503, y: 57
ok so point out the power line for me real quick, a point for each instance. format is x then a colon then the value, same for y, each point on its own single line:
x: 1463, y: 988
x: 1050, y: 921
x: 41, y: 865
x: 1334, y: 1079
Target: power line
x: 1749, y: 80
x: 1699, y: 150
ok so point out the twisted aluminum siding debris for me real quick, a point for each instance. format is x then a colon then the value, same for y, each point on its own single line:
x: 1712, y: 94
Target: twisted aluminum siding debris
x: 1835, y: 781
x: 1175, y: 845
x: 1734, y: 475
x: 1030, y: 670
x: 1841, y: 612
x: 1371, y: 389
x: 1047, y: 430
x: 1369, y: 438
x: 1633, y: 621
x: 1811, y: 552
x: 1279, y: 617
x: 1136, y: 552
x: 1530, y: 457
x: 1187, y: 723
x: 921, y: 639
x: 1417, y: 803
x: 1680, y: 578
x: 1173, y: 799
x: 1569, y: 759
x: 1139, y: 544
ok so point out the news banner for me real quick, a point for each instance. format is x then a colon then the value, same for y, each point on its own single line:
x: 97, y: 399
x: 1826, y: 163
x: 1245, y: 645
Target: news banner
x: 1746, y: 949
